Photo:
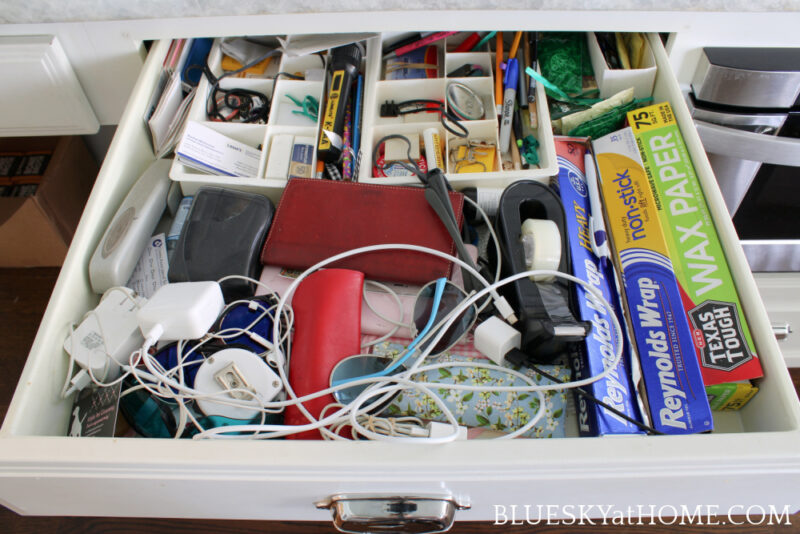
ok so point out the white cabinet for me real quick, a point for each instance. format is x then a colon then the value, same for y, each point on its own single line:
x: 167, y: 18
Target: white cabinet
x: 40, y: 94
x: 753, y: 457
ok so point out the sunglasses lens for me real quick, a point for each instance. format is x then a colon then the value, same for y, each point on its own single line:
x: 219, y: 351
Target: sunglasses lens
x: 356, y: 367
x: 451, y: 298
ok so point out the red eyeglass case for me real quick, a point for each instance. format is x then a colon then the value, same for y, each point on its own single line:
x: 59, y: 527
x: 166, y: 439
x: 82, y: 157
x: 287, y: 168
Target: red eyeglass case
x: 317, y: 219
x: 327, y: 312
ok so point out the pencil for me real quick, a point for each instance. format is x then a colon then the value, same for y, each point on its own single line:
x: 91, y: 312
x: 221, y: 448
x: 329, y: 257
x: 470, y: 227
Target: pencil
x: 515, y: 45
x: 498, y: 78
x: 515, y: 157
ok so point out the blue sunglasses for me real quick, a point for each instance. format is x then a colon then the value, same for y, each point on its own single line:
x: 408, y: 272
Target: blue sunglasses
x: 434, y: 302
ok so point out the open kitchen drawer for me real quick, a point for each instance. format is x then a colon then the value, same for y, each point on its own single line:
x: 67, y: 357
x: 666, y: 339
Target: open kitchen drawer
x: 753, y: 457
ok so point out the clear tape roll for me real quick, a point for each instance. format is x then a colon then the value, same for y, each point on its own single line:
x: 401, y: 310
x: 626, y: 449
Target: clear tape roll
x: 541, y: 242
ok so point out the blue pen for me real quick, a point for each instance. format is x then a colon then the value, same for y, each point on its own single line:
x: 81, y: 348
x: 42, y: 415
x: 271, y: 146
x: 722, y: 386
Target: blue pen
x: 357, y: 123
x: 509, y: 95
x: 597, y: 226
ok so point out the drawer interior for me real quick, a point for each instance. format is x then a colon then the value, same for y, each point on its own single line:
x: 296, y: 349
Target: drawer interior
x: 37, y: 409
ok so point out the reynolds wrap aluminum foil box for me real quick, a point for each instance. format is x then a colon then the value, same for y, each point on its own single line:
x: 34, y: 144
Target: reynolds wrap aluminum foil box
x: 722, y: 338
x: 674, y: 386
x: 597, y: 352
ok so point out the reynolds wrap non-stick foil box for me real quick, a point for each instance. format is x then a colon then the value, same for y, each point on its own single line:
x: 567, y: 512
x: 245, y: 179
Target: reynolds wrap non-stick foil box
x: 597, y: 352
x: 674, y: 386
x: 722, y: 338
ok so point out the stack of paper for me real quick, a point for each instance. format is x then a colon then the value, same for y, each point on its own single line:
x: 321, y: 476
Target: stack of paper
x: 209, y: 151
x: 171, y: 100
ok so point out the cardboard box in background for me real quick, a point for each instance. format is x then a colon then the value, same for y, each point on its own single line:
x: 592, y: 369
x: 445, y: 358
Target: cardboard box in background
x: 36, y: 230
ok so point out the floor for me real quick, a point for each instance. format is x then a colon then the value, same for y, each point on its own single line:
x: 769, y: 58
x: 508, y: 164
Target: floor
x: 23, y: 296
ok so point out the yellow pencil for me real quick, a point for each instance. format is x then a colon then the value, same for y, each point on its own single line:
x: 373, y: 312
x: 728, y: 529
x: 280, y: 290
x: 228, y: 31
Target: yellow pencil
x: 498, y: 74
x: 515, y: 45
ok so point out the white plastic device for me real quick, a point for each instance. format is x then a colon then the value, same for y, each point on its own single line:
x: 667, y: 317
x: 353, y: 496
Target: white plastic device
x: 106, y: 337
x: 494, y: 338
x: 184, y: 310
x: 125, y: 238
x: 246, y: 378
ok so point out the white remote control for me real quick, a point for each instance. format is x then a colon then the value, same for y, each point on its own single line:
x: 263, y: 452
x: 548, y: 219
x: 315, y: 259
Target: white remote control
x: 118, y: 252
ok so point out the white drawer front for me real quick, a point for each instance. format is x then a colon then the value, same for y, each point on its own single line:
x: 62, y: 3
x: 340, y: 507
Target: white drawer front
x: 43, y: 473
x: 781, y: 295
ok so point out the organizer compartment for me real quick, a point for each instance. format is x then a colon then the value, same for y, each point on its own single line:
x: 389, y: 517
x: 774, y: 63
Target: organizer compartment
x: 757, y: 448
x: 377, y: 91
x: 400, y: 90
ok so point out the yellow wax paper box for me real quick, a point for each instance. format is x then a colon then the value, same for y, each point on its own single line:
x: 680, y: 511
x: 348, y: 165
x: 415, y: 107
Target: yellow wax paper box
x: 721, y: 336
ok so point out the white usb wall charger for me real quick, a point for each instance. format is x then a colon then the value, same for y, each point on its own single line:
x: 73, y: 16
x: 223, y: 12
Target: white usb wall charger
x: 183, y: 310
x: 105, y: 338
x: 495, y: 338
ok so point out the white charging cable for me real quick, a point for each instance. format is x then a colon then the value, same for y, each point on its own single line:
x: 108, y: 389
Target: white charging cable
x: 279, y: 430
x: 383, y: 386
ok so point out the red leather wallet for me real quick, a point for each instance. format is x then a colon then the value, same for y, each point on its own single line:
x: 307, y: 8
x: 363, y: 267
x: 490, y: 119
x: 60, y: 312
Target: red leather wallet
x: 317, y: 219
x: 327, y: 313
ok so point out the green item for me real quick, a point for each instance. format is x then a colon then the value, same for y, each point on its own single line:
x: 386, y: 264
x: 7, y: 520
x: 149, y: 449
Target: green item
x: 557, y: 94
x: 561, y: 60
x: 608, y: 122
x: 529, y: 150
x: 309, y: 104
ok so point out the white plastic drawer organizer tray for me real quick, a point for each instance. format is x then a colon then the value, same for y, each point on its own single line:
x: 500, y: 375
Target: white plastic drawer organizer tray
x: 368, y: 276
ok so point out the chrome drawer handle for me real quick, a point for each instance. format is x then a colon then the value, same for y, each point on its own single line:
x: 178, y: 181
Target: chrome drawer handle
x: 386, y: 513
x: 781, y: 331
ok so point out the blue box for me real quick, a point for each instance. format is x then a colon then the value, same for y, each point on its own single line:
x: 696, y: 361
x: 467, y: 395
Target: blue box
x: 600, y: 346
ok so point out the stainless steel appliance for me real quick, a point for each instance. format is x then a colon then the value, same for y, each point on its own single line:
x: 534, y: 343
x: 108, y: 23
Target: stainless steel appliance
x: 746, y: 105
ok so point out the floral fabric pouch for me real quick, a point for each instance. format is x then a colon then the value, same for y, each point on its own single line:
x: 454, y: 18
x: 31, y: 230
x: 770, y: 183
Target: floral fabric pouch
x: 505, y: 412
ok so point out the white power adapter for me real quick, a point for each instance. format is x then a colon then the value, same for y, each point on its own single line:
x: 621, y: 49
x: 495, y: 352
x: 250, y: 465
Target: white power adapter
x: 106, y: 337
x: 494, y: 338
x: 184, y: 310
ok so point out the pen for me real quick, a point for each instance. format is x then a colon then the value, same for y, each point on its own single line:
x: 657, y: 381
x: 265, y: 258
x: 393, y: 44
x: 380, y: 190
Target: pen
x: 527, y: 61
x: 517, y: 141
x: 357, y: 123
x: 483, y: 41
x: 468, y: 43
x: 534, y: 113
x: 347, y: 150
x: 522, y: 87
x: 509, y: 96
x: 438, y: 36
x: 402, y: 42
x: 519, y: 135
x: 597, y: 226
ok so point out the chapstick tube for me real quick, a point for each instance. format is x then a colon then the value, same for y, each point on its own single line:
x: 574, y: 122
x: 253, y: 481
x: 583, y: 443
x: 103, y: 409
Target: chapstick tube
x: 433, y: 149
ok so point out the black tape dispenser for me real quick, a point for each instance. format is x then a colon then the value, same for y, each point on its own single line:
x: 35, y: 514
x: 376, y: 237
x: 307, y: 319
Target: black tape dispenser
x: 531, y: 228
